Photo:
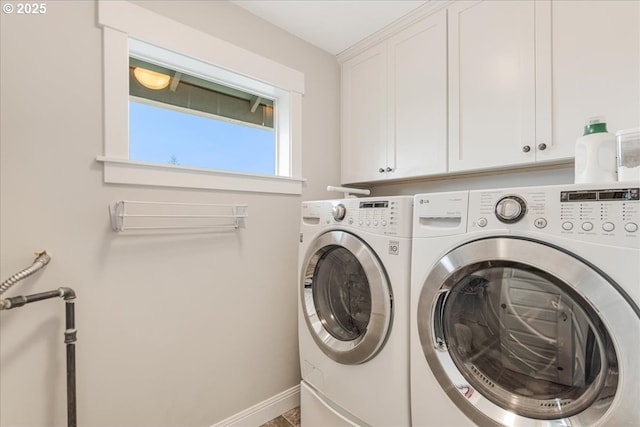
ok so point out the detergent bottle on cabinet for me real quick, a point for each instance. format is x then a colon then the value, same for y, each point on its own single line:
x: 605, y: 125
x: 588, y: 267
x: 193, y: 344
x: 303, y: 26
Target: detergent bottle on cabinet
x: 595, y: 153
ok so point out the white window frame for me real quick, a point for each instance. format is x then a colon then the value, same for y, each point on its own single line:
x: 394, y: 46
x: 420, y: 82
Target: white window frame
x: 130, y: 30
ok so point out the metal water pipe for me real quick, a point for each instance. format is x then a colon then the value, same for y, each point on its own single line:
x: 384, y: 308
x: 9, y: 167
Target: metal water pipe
x: 70, y: 337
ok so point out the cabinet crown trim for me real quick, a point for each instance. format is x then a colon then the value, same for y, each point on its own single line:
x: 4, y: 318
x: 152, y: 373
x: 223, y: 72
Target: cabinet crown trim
x: 428, y: 9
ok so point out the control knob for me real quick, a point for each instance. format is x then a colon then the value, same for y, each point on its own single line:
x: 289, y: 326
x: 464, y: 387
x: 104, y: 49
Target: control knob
x: 339, y: 211
x: 510, y: 209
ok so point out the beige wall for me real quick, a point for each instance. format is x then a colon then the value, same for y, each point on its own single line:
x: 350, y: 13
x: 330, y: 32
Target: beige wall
x: 173, y: 330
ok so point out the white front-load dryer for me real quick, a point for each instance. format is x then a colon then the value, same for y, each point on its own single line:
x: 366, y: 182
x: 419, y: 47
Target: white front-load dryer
x: 354, y: 264
x: 524, y: 307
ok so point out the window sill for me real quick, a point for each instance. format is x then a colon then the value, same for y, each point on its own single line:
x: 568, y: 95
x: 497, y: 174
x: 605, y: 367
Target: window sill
x: 121, y: 171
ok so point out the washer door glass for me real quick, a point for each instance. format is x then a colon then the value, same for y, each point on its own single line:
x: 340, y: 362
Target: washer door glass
x: 505, y: 330
x: 346, y: 298
x: 524, y: 342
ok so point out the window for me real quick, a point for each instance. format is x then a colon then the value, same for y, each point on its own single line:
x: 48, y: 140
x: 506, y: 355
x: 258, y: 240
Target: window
x: 174, y: 136
x: 212, y: 116
x: 180, y: 119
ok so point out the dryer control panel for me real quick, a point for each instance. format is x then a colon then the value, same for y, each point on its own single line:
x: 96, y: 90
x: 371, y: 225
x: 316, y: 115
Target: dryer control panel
x: 386, y: 215
x: 606, y: 213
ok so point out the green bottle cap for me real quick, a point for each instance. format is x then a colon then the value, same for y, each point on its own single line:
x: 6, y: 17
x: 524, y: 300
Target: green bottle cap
x: 595, y: 125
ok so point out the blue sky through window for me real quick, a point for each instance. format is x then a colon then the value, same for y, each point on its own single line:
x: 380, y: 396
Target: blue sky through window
x: 162, y: 135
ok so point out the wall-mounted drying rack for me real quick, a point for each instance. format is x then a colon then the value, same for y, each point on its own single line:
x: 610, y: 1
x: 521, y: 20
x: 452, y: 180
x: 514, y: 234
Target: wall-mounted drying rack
x: 139, y: 215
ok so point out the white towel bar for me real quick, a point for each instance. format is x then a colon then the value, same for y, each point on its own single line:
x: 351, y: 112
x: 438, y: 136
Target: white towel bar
x: 348, y: 191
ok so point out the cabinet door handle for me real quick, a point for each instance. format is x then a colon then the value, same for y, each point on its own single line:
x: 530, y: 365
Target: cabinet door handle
x: 389, y: 169
x: 526, y: 148
x: 542, y: 146
x: 381, y: 170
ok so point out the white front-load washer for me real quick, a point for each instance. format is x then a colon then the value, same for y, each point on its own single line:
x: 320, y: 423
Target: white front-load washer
x: 524, y: 307
x: 354, y: 263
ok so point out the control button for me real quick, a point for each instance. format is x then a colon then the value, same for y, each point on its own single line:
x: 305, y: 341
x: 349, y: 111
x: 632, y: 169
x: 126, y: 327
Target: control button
x: 350, y: 220
x: 631, y: 227
x: 567, y: 226
x: 608, y: 226
x: 482, y: 222
x: 510, y: 209
x: 339, y: 211
x: 384, y: 223
x: 375, y: 222
x: 540, y: 223
x: 360, y: 222
x: 368, y: 223
x: 587, y: 226
x: 328, y: 221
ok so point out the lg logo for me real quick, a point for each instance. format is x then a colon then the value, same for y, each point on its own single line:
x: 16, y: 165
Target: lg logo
x: 424, y: 201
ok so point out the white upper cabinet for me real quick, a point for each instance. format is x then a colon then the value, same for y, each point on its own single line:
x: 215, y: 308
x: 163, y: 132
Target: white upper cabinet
x: 364, y: 116
x: 524, y: 76
x: 418, y: 99
x: 595, y: 69
x: 394, y: 98
x: 492, y: 84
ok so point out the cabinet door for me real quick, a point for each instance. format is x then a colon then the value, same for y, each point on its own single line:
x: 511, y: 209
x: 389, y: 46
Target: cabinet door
x: 418, y: 99
x: 491, y: 84
x: 364, y: 116
x: 596, y: 69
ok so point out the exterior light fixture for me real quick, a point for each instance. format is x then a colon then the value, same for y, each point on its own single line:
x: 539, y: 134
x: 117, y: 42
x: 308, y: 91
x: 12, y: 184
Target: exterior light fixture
x: 151, y: 79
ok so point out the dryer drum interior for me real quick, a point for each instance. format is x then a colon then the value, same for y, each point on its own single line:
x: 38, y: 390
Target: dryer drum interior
x: 522, y: 337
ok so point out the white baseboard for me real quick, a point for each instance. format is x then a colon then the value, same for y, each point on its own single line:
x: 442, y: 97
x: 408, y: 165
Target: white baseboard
x: 264, y: 411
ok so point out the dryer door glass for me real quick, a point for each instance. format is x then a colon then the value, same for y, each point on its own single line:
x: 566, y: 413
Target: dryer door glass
x: 346, y: 298
x: 343, y: 302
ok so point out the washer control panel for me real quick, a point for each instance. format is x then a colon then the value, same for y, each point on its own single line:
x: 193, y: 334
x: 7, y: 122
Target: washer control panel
x: 608, y: 213
x: 388, y: 216
x: 610, y: 210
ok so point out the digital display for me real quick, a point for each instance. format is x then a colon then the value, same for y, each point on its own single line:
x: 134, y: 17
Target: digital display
x: 380, y: 204
x: 580, y: 196
x: 622, y: 194
x: 618, y: 195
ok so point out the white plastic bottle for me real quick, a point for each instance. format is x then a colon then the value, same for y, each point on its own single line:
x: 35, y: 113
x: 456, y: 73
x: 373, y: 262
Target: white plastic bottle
x: 595, y: 153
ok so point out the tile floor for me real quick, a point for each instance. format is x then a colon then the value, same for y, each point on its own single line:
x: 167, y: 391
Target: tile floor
x: 290, y: 418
